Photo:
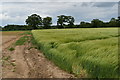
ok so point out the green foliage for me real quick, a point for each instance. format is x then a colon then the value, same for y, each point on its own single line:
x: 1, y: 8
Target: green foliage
x: 63, y: 20
x: 21, y: 41
x: 47, y: 22
x: 119, y: 18
x: 96, y: 23
x: 11, y: 49
x: 85, y: 25
x: 13, y: 64
x: 70, y: 20
x: 6, y: 58
x: 113, y: 22
x: 34, y: 20
x: 0, y: 28
x: 16, y: 28
x: 84, y: 52
x: 26, y: 38
x: 26, y: 33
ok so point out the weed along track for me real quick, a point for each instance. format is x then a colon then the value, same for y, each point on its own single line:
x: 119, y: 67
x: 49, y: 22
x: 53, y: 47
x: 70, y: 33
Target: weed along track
x: 24, y: 61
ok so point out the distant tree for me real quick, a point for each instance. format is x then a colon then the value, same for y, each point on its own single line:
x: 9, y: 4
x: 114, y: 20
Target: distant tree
x: 65, y: 20
x: 119, y: 18
x: 85, y: 24
x: 70, y: 20
x: 113, y: 22
x: 16, y: 27
x: 118, y: 21
x: 0, y: 28
x: 34, y: 20
x: 47, y: 22
x: 61, y: 21
x: 96, y: 23
x: 82, y: 24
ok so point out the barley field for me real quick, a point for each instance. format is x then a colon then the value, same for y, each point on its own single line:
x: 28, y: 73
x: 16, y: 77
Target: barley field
x: 85, y: 52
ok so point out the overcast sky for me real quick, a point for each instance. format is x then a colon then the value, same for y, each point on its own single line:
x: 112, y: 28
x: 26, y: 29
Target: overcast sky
x: 16, y: 12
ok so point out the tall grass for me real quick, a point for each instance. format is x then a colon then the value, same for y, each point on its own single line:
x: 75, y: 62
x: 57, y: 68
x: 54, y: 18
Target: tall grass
x: 83, y: 52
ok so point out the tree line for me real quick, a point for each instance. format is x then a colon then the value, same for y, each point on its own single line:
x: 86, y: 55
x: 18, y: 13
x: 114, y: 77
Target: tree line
x: 37, y: 22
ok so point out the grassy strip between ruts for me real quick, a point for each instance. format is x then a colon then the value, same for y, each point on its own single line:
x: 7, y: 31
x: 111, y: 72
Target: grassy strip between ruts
x: 84, y: 52
x: 26, y: 38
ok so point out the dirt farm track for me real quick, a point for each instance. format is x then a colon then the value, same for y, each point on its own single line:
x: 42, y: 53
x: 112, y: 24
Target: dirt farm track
x: 27, y: 63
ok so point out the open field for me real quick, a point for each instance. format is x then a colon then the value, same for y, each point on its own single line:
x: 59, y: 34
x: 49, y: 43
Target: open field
x: 10, y: 35
x: 85, y: 52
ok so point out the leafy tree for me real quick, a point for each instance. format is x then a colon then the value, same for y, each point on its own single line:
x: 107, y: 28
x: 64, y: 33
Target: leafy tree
x: 119, y: 18
x: 16, y: 27
x: 118, y: 21
x: 82, y: 24
x: 113, y: 22
x: 70, y: 20
x: 0, y: 28
x: 65, y: 20
x: 34, y: 20
x: 47, y: 22
x: 96, y: 23
x: 61, y: 20
x: 85, y: 24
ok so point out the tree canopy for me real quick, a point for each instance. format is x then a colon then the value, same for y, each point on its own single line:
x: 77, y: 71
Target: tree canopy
x: 65, y: 20
x: 96, y: 23
x: 34, y: 20
x: 47, y: 22
x: 0, y: 28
